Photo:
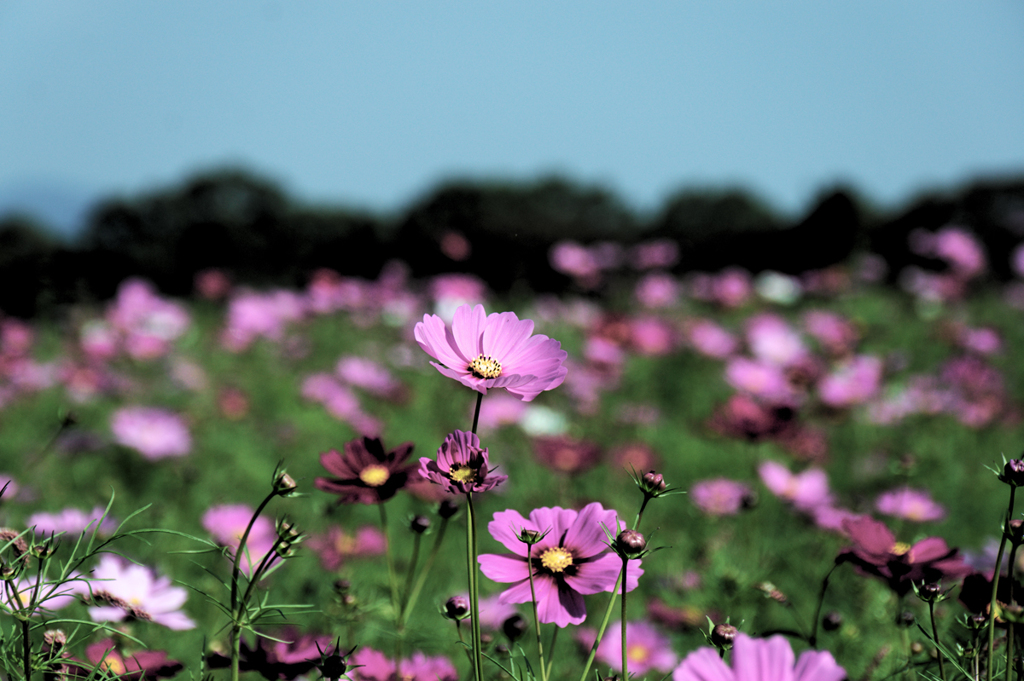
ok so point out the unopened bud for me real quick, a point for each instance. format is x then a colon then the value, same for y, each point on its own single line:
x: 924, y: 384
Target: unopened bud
x: 832, y: 621
x: 342, y: 586
x: 1013, y: 473
x: 529, y: 537
x: 333, y: 665
x: 905, y: 619
x: 54, y: 641
x: 916, y: 648
x: 630, y: 544
x: 447, y: 509
x: 723, y: 635
x: 284, y: 484
x: 514, y: 627
x: 929, y: 591
x: 652, y: 483
x: 419, y: 524
x: 457, y: 608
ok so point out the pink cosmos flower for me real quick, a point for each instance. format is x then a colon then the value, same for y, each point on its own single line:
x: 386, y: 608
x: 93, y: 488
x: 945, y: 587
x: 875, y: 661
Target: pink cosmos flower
x: 484, y: 351
x: 654, y: 254
x: 759, y: 378
x: 854, y: 382
x: 337, y: 545
x: 712, y: 340
x: 570, y: 561
x: 646, y: 648
x: 131, y: 591
x: 72, y: 521
x: 154, y: 433
x: 910, y: 504
x: 719, y: 496
x: 759, y: 659
x: 227, y: 523
x: 651, y: 336
x: 836, y: 334
x: 500, y: 410
x: 657, y: 290
x: 369, y: 375
x: 368, y: 664
x: 462, y: 465
x: 773, y: 340
x: 806, y: 490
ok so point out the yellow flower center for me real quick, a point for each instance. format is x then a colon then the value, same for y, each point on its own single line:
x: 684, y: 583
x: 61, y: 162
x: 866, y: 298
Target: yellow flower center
x: 461, y: 473
x: 638, y: 653
x: 374, y: 475
x: 345, y: 544
x: 485, y: 366
x: 899, y: 548
x: 556, y: 559
x: 113, y: 664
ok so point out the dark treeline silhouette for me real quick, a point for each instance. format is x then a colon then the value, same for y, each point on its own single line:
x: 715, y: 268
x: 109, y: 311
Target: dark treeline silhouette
x: 247, y: 226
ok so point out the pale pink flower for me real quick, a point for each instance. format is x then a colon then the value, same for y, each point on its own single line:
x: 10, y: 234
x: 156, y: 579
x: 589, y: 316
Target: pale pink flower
x: 910, y: 504
x: 601, y: 350
x: 806, y: 490
x: 499, y: 350
x: 500, y: 410
x: 98, y: 339
x: 72, y: 521
x: 369, y: 375
x: 772, y: 339
x: 712, y: 340
x: 837, y: 335
x: 254, y: 315
x: 337, y: 545
x: 854, y: 382
x: 649, y: 255
x: 131, y: 591
x: 719, y: 496
x: 155, y: 433
x: 451, y: 291
x: 651, y: 336
x: 754, y: 659
x: 982, y: 340
x: 733, y: 287
x: 657, y: 290
x: 646, y: 648
x: 573, y: 259
x: 759, y: 378
x: 227, y: 523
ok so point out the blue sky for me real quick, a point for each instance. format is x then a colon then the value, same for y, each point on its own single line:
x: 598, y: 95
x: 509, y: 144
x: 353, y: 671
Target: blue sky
x: 373, y: 103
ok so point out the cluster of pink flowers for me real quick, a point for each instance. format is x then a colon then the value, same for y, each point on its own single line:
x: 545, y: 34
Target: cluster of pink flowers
x: 336, y: 391
x: 72, y: 521
x: 337, y: 545
x: 768, y: 659
x: 371, y: 665
x: 387, y: 299
x: 138, y: 321
x: 266, y: 315
x: 20, y: 374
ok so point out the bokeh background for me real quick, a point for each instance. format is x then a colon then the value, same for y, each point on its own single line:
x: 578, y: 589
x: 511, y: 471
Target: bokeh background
x: 780, y: 236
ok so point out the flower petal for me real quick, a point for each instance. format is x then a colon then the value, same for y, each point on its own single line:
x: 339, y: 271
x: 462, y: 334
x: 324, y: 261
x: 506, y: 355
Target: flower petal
x: 816, y: 665
x: 505, y: 528
x: 754, y: 659
x: 703, y: 665
x: 586, y: 537
x: 503, y: 568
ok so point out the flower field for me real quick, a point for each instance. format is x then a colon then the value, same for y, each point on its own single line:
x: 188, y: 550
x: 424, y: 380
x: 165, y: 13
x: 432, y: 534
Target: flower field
x: 802, y: 477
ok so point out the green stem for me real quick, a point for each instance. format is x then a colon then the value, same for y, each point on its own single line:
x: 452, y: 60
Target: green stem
x: 551, y: 650
x: 421, y: 579
x: 473, y: 594
x: 389, y: 557
x: 604, y: 625
x: 995, y: 584
x: 935, y: 637
x: 26, y: 648
x: 813, y: 640
x: 536, y: 619
x: 1011, y: 627
x: 625, y: 648
x: 416, y: 539
x: 640, y: 513
x: 476, y: 412
x: 236, y: 607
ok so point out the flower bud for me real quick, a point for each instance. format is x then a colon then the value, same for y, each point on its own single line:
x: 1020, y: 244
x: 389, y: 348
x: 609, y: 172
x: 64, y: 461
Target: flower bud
x: 54, y: 641
x: 652, y: 483
x: 419, y: 524
x: 342, y: 586
x: 929, y: 591
x: 529, y: 537
x: 284, y: 484
x: 832, y: 621
x: 723, y: 635
x: 1013, y: 473
x: 630, y: 544
x: 447, y: 509
x: 514, y: 627
x: 333, y: 665
x: 457, y: 608
x: 905, y: 619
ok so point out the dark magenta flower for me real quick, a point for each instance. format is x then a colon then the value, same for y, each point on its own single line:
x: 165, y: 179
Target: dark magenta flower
x: 365, y: 473
x: 461, y: 466
x: 875, y: 551
x: 570, y: 560
x: 484, y: 351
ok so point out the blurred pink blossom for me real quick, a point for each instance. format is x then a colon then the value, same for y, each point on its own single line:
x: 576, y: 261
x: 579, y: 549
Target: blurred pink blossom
x: 575, y: 260
x: 500, y: 409
x: 733, y: 287
x: 646, y: 648
x: 212, y: 284
x: 759, y: 378
x: 253, y: 315
x: 806, y: 490
x: 227, y: 523
x: 854, y: 382
x: 651, y: 336
x: 369, y: 375
x: 72, y: 521
x: 910, y: 504
x: 656, y: 254
x: 834, y: 333
x: 127, y: 590
x: 148, y: 322
x: 720, y: 496
x: 601, y: 350
x: 710, y: 339
x: 337, y: 545
x: 155, y: 433
x: 982, y: 340
x: 657, y: 290
x: 773, y: 340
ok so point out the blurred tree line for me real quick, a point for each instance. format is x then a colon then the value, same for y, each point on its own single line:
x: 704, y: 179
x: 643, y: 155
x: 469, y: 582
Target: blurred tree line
x: 500, y: 232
